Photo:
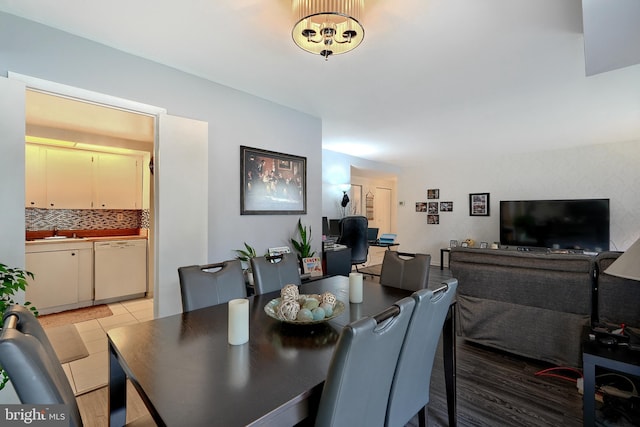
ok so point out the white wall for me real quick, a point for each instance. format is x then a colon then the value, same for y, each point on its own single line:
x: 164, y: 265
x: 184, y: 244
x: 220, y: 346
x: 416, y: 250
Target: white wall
x: 235, y: 118
x: 12, y: 168
x: 600, y: 171
x: 336, y: 170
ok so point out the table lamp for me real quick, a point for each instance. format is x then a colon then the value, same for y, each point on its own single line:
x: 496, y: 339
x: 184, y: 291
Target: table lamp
x: 628, y: 264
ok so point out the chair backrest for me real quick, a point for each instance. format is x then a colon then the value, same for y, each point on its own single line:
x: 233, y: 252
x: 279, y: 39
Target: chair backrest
x: 404, y: 270
x: 410, y: 388
x: 201, y: 286
x: 356, y: 391
x: 353, y: 234
x: 32, y: 364
x: 271, y: 273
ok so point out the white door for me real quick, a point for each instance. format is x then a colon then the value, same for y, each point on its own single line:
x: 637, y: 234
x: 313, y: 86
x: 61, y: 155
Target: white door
x: 180, y: 205
x: 382, y: 208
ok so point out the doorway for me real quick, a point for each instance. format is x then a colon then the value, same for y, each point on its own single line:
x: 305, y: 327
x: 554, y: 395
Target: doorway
x: 63, y: 125
x: 179, y: 212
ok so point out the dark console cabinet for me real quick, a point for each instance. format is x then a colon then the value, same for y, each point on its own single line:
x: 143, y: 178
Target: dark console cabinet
x: 337, y: 262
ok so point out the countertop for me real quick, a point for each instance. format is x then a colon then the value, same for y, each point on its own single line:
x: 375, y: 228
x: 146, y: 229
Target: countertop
x: 90, y: 236
x: 83, y: 239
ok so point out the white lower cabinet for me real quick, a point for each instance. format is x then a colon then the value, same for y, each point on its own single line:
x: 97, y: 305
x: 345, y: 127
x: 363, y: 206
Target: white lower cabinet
x: 63, y: 276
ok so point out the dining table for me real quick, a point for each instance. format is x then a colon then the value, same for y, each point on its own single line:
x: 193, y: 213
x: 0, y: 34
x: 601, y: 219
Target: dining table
x: 187, y: 374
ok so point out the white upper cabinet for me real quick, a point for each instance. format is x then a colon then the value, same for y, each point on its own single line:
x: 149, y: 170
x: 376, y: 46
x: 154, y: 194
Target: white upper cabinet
x: 35, y: 180
x: 69, y: 179
x: 118, y: 182
x: 61, y: 178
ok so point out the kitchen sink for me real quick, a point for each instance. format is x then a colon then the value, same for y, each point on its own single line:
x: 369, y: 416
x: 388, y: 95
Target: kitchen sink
x: 57, y: 239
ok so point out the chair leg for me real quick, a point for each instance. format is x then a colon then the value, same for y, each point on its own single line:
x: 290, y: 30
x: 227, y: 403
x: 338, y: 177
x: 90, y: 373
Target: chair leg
x: 422, y: 417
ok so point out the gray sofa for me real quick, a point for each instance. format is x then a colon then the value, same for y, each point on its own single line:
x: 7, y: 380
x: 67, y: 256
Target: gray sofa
x: 618, y: 298
x: 533, y: 304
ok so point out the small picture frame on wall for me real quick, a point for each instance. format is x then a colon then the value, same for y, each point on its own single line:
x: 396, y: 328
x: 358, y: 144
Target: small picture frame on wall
x: 433, y: 219
x: 433, y: 193
x: 432, y: 208
x: 446, y: 206
x: 421, y: 206
x: 479, y: 204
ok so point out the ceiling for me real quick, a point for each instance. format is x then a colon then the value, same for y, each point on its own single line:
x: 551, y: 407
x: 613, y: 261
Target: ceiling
x: 432, y: 78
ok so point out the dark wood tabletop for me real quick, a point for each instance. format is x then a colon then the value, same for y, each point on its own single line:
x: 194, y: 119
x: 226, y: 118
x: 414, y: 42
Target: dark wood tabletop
x: 187, y: 374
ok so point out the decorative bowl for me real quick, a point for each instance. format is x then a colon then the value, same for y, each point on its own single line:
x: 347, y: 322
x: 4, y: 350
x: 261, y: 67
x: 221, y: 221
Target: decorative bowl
x: 270, y: 309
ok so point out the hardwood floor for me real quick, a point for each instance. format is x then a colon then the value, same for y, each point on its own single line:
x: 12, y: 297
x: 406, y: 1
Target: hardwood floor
x: 93, y: 407
x: 493, y: 389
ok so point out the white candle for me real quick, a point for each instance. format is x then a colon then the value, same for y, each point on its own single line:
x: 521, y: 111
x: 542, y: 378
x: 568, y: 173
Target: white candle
x: 238, y: 321
x: 355, y: 287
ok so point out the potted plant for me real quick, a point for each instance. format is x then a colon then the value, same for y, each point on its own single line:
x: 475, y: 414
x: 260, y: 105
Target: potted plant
x: 303, y: 246
x: 245, y: 256
x: 12, y: 280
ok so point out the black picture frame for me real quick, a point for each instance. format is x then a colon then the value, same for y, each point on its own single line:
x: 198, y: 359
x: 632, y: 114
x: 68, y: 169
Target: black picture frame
x: 479, y: 204
x: 272, y: 183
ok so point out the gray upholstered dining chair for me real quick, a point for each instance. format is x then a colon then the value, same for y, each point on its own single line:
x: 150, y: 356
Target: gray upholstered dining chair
x: 33, y: 367
x: 405, y: 270
x: 410, y: 389
x: 211, y: 284
x: 356, y: 391
x: 271, y: 273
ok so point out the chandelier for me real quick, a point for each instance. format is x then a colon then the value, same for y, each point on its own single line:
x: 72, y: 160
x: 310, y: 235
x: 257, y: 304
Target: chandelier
x: 327, y: 27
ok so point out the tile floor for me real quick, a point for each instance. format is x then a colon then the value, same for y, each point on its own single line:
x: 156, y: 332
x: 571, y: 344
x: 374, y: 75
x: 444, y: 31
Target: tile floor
x: 92, y: 372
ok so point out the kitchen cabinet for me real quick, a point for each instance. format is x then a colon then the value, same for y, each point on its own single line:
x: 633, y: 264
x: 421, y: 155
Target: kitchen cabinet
x: 118, y: 183
x: 69, y: 179
x: 35, y: 182
x: 62, y: 178
x: 63, y: 275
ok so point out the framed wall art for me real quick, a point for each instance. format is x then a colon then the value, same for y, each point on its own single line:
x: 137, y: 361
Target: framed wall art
x: 272, y: 183
x: 433, y: 193
x: 479, y: 204
x: 446, y: 206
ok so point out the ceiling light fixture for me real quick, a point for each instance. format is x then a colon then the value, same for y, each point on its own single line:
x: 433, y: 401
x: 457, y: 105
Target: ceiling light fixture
x: 327, y: 27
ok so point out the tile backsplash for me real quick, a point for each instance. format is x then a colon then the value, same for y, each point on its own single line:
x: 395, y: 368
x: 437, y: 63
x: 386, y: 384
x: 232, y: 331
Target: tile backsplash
x: 85, y: 219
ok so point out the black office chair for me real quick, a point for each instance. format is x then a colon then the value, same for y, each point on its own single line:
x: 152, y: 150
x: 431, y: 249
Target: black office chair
x: 405, y: 270
x: 410, y: 389
x: 271, y: 273
x: 30, y: 361
x: 353, y: 234
x: 356, y: 391
x: 212, y: 284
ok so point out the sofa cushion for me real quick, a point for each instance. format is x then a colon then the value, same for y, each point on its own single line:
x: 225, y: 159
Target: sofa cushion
x: 618, y: 298
x: 547, y: 335
x: 550, y: 281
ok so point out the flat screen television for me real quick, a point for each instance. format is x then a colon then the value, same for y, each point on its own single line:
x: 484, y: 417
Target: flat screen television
x: 581, y: 224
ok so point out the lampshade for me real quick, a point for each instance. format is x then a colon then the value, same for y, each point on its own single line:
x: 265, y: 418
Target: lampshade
x: 628, y: 264
x: 327, y: 27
